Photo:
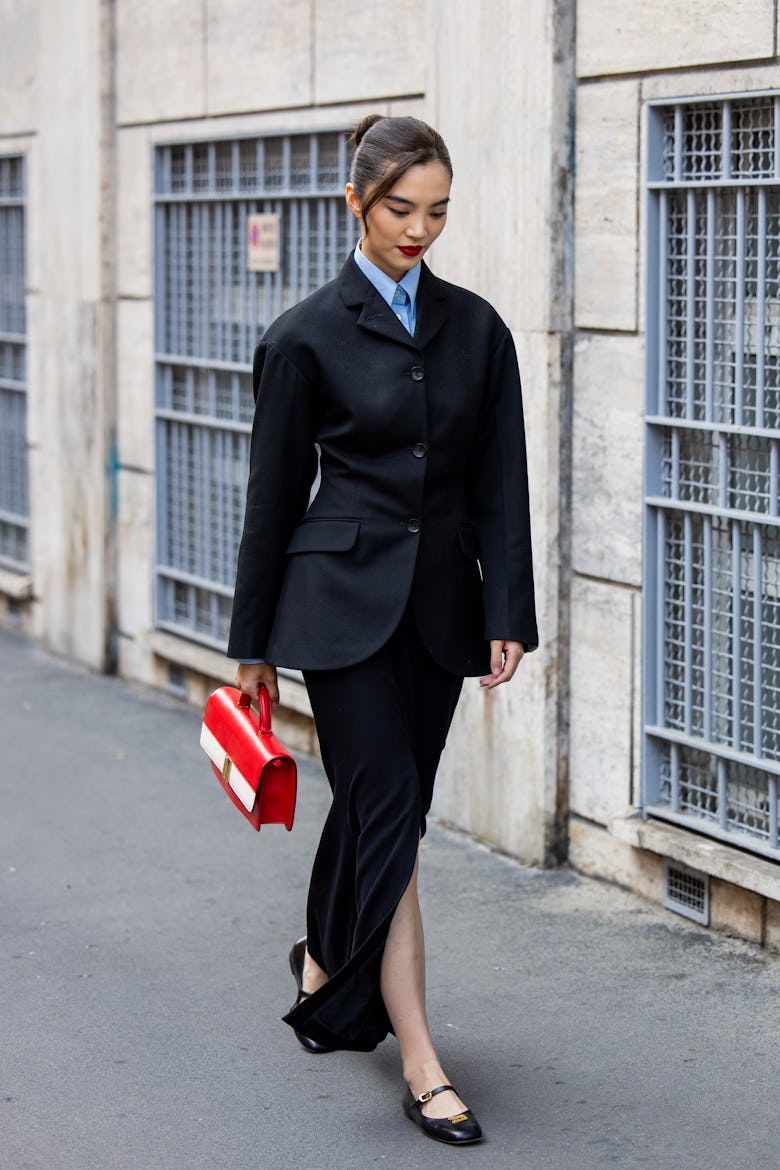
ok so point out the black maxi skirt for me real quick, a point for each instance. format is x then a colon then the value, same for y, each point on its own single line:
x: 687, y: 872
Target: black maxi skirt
x: 382, y: 726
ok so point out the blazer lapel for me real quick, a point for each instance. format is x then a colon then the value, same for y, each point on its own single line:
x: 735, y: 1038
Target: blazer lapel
x: 432, y: 309
x: 375, y: 313
x: 377, y: 316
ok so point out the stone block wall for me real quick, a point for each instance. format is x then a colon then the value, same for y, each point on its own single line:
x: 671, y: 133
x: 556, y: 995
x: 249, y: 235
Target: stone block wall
x: 59, y: 113
x: 144, y: 72
x: 530, y: 114
x: 626, y: 55
x: 298, y: 70
x: 500, y: 96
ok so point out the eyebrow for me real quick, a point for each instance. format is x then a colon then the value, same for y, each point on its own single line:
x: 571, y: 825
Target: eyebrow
x: 411, y: 203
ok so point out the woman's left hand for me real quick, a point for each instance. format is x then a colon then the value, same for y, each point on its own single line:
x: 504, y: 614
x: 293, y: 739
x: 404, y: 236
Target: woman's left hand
x: 504, y: 660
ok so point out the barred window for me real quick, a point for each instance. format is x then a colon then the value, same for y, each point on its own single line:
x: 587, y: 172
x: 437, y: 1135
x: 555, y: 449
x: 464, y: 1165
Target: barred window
x: 210, y: 311
x: 14, y: 515
x: 712, y: 565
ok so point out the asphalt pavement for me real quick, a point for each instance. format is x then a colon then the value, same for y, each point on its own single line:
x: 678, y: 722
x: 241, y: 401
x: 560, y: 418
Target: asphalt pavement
x: 144, y: 931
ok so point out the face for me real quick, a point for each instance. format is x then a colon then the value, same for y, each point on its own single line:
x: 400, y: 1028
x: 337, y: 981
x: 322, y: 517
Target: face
x: 404, y: 223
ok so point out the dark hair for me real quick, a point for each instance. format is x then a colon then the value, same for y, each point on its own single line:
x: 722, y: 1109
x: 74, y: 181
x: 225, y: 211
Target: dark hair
x: 385, y: 149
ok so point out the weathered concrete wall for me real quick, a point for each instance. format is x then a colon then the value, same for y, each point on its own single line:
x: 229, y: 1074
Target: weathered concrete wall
x: 160, y: 60
x: 506, y: 238
x: 254, y: 68
x: 650, y: 41
x: 499, y: 80
x: 607, y: 206
x: 178, y: 60
x: 364, y: 51
x: 216, y: 70
x: 61, y: 108
x: 18, y: 117
x: 20, y: 55
x: 615, y: 37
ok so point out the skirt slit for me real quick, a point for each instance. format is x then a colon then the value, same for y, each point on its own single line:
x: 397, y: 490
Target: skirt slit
x: 382, y: 725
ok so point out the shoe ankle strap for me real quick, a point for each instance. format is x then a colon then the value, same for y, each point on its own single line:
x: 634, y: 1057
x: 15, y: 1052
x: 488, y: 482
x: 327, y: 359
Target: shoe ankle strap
x: 425, y: 1097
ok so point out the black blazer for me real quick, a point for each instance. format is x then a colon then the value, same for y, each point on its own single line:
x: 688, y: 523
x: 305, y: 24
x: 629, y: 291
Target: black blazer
x: 423, y: 491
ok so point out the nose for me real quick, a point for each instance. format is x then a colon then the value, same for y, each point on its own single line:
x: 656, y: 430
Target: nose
x: 415, y: 228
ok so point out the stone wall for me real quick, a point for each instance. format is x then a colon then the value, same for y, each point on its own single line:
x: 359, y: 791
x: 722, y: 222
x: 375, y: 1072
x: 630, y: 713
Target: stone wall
x: 89, y: 87
x: 627, y: 55
x: 509, y: 134
x: 60, y: 111
x: 141, y: 73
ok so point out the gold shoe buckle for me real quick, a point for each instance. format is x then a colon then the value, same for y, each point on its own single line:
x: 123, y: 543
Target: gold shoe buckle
x: 425, y: 1097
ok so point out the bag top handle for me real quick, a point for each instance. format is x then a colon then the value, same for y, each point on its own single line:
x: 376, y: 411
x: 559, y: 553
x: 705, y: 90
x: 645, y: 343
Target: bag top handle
x: 264, y: 702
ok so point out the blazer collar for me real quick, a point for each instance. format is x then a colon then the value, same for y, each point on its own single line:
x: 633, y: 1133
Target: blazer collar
x: 377, y: 316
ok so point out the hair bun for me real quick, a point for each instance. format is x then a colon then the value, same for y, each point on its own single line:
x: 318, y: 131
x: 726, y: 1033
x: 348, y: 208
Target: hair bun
x: 363, y: 126
x: 382, y: 156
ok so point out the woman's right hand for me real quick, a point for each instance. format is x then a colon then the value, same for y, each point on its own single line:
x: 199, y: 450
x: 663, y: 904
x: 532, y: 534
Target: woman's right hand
x: 249, y: 676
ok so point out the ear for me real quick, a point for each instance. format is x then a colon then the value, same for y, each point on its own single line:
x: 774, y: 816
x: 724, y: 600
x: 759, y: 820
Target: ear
x: 353, y: 203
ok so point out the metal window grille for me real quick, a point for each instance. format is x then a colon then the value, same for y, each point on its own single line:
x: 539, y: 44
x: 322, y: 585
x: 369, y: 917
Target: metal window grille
x: 712, y: 526
x: 209, y: 313
x: 14, y: 516
x: 687, y: 892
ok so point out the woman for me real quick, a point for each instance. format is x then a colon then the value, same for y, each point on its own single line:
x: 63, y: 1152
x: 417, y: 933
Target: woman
x: 410, y: 569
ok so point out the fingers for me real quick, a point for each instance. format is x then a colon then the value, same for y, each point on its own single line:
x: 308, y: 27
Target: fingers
x: 505, y: 657
x: 496, y: 658
x: 250, y: 675
x: 269, y: 680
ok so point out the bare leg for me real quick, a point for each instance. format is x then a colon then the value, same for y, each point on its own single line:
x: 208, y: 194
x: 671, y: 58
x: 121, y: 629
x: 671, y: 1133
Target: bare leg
x: 313, y: 975
x: 403, y: 991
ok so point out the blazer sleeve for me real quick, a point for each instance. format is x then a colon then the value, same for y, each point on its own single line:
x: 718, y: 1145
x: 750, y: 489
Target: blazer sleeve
x: 282, y: 467
x: 498, y: 503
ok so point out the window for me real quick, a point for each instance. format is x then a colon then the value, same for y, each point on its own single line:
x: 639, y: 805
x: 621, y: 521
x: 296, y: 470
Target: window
x: 13, y: 375
x: 209, y: 314
x: 712, y: 564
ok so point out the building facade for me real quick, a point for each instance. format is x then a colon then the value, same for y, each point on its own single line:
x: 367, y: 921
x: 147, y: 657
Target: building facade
x: 616, y: 197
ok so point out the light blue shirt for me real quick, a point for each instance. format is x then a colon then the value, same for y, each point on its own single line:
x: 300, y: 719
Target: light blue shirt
x: 386, y: 287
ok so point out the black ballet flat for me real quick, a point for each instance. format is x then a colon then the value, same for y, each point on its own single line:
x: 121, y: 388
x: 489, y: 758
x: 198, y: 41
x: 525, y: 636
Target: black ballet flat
x: 462, y: 1129
x: 297, y: 956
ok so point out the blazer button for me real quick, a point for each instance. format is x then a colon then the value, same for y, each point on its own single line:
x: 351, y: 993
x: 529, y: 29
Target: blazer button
x: 417, y: 373
x: 420, y: 450
x: 414, y: 525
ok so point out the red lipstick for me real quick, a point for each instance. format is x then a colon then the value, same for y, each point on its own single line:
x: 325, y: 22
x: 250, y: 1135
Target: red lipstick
x: 410, y: 251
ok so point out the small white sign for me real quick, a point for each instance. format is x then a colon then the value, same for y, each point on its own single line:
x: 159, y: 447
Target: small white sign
x: 262, y: 243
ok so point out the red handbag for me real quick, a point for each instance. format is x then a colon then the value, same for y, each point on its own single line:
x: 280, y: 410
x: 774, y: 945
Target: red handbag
x: 255, y: 769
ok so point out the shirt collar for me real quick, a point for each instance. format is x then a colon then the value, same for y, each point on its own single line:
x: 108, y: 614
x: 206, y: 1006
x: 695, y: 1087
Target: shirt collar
x: 384, y: 284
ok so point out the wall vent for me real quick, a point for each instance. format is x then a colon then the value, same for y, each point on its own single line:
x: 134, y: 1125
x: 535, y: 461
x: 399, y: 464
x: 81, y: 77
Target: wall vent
x: 177, y: 680
x: 13, y: 612
x: 687, y: 891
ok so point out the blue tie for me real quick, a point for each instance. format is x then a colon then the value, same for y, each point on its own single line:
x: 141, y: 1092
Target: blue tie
x: 401, y: 307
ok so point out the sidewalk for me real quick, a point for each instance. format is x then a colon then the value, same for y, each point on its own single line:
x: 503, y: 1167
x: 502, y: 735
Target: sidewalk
x: 143, y: 971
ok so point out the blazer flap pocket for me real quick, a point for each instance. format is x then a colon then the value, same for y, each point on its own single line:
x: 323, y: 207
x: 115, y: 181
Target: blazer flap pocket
x: 324, y: 536
x: 468, y: 541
